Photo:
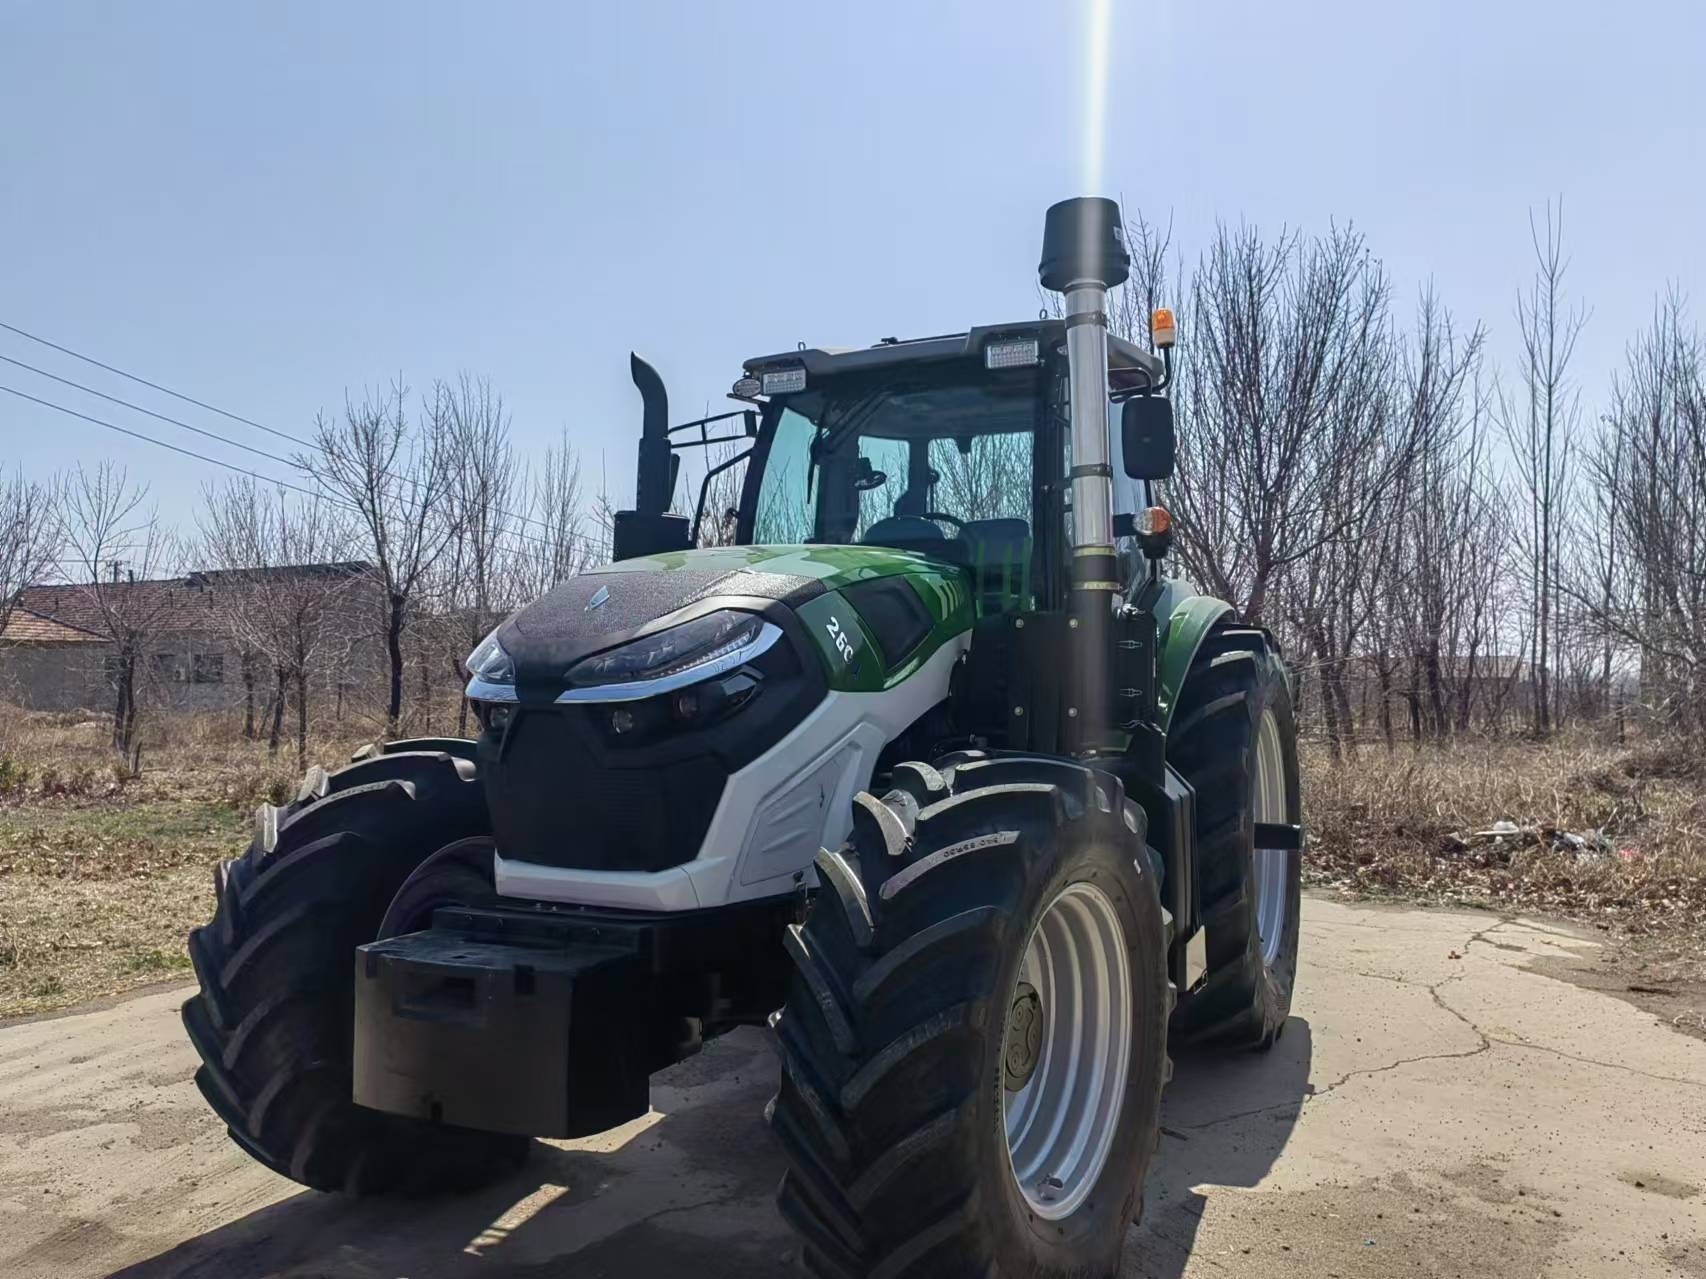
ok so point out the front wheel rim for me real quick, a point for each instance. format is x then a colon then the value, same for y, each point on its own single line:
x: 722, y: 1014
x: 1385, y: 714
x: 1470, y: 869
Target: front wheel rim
x: 1066, y: 1051
x: 1270, y: 867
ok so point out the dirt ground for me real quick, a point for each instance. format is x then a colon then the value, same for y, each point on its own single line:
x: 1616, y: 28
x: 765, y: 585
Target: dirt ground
x: 1664, y: 975
x: 1451, y: 1097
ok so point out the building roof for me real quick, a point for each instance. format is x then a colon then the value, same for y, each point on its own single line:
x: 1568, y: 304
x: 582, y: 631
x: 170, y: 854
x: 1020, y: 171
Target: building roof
x: 25, y: 627
x: 59, y: 613
x: 288, y: 572
x: 169, y: 604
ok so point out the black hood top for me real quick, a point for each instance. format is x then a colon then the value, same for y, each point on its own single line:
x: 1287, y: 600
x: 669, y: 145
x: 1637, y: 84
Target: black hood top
x: 596, y: 611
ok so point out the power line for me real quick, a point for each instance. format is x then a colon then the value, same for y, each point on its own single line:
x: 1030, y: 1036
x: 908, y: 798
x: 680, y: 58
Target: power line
x: 149, y: 439
x: 165, y: 390
x: 113, y: 399
x: 229, y: 466
x: 211, y: 408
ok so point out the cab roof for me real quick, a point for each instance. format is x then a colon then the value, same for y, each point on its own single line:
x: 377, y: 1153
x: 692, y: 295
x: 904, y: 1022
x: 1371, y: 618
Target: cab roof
x: 1128, y: 365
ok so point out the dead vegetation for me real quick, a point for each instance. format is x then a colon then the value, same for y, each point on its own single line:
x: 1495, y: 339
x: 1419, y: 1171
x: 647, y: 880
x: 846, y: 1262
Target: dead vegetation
x: 1611, y: 835
x: 103, y: 872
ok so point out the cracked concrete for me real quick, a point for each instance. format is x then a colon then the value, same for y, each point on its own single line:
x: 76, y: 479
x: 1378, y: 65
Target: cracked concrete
x: 1449, y: 1111
x: 1436, y: 1108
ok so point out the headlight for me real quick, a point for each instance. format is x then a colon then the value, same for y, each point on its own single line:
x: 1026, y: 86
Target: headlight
x: 490, y: 663
x: 706, y: 646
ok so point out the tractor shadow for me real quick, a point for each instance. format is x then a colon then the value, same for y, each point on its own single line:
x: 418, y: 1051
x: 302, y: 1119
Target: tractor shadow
x: 689, y: 1190
x: 1224, y: 1122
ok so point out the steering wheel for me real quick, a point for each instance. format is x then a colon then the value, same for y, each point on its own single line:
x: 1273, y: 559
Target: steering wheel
x: 945, y: 518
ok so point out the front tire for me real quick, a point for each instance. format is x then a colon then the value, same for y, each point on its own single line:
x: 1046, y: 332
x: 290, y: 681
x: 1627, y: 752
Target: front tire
x: 273, y: 1019
x: 1234, y: 738
x: 910, y: 1037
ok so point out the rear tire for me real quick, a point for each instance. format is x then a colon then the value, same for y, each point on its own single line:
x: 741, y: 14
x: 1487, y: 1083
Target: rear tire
x: 898, y: 1044
x: 1236, y: 687
x: 273, y: 1020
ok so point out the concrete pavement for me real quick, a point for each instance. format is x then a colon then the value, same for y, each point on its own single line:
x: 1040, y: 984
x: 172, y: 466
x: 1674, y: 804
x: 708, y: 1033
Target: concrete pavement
x: 1435, y: 1108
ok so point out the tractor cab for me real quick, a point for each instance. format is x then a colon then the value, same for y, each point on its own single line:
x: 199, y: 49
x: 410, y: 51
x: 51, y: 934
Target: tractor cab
x: 954, y: 447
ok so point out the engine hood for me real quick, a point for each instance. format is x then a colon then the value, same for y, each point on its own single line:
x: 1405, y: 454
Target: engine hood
x: 825, y: 566
x: 611, y: 605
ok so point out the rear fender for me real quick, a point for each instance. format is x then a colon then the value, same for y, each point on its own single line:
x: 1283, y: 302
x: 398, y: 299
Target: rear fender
x: 1183, y: 621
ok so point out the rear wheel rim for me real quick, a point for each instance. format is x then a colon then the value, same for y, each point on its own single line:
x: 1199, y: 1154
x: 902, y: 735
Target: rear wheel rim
x: 1067, y: 1047
x: 1270, y: 867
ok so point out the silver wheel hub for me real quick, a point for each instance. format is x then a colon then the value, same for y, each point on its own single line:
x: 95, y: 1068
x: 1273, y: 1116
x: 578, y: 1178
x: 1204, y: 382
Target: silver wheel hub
x: 1066, y: 1051
x: 1024, y: 1036
x: 1271, y: 867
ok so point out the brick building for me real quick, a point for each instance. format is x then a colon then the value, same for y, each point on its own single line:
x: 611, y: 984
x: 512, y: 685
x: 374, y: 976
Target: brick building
x: 57, y: 650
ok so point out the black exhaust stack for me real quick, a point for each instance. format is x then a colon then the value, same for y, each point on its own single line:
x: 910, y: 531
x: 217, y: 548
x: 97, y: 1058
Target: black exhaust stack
x: 650, y: 528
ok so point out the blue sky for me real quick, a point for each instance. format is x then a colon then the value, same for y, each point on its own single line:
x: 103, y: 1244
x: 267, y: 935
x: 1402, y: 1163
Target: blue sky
x: 265, y: 205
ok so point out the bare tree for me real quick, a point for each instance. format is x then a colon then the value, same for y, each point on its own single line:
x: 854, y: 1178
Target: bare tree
x: 121, y: 560
x: 1284, y: 386
x: 1131, y: 310
x: 1338, y: 601
x: 1440, y: 513
x: 1335, y: 481
x: 398, y: 479
x: 558, y: 546
x: 1540, y: 427
x: 1476, y: 549
x: 1650, y: 465
x: 483, y: 533
x: 29, y: 537
x: 283, y: 588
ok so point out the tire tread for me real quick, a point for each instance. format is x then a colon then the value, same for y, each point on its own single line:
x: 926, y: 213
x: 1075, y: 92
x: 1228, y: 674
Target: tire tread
x: 902, y: 944
x: 1238, y: 1004
x: 271, y: 1021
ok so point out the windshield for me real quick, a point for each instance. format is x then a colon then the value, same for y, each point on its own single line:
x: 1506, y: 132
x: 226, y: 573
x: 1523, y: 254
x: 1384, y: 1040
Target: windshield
x: 946, y: 471
x: 899, y: 467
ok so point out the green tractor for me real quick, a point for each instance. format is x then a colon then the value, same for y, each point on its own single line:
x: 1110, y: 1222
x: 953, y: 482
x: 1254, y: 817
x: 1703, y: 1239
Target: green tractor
x: 935, y: 761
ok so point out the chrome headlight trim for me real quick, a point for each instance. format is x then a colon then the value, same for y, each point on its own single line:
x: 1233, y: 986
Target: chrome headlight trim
x: 638, y: 690
x: 490, y: 663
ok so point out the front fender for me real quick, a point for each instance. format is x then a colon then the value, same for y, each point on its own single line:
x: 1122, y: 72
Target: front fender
x: 1183, y: 622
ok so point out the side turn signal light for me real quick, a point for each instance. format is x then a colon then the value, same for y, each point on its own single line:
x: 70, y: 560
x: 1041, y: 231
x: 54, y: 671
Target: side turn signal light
x: 1153, y: 521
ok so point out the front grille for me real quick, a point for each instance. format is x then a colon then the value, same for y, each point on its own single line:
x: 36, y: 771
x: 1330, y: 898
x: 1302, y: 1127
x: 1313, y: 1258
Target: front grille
x: 559, y: 795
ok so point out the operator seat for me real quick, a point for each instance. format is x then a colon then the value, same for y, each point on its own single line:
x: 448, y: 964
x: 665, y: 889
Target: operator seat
x: 900, y: 531
x: 915, y: 533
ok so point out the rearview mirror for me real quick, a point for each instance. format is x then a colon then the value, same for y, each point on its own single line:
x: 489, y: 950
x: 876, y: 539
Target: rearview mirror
x: 1146, y: 437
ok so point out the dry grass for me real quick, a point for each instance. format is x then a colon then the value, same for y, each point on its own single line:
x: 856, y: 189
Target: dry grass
x: 1403, y: 823
x: 103, y: 874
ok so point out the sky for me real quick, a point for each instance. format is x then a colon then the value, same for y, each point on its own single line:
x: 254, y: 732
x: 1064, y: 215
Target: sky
x: 268, y: 207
